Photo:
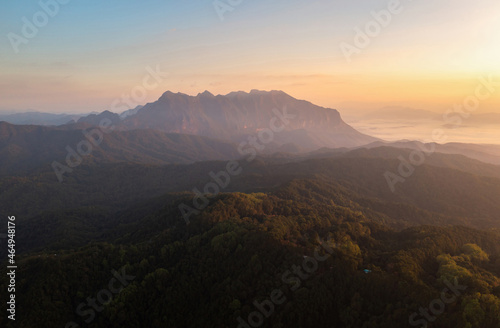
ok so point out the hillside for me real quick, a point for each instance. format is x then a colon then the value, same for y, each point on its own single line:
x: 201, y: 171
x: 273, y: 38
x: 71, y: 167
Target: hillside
x: 237, y: 115
x: 331, y: 265
x: 26, y: 148
x: 437, y: 193
x: 384, y: 255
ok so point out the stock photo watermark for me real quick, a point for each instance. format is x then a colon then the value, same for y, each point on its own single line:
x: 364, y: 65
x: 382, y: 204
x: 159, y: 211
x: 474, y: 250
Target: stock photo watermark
x: 223, y: 6
x: 92, y: 305
x: 486, y: 87
x: 249, y: 148
x: 11, y: 266
x: 294, y: 278
x: 437, y: 306
x: 372, y: 29
x: 94, y: 137
x: 31, y: 27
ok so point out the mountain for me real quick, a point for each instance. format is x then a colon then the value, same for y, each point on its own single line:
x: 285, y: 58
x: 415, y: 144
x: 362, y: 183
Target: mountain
x: 38, y: 118
x: 323, y: 237
x: 95, y: 119
x: 28, y: 147
x: 181, y: 129
x: 481, y: 152
x: 446, y: 189
x: 239, y: 115
x: 130, y: 112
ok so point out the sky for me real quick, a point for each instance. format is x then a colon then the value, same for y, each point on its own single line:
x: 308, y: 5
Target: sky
x: 86, y: 55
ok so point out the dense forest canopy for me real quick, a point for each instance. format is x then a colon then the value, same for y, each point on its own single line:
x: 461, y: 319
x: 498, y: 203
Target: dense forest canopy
x: 308, y: 243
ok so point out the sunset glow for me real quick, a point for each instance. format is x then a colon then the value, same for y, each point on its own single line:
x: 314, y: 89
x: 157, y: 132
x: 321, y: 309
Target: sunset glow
x: 91, y: 52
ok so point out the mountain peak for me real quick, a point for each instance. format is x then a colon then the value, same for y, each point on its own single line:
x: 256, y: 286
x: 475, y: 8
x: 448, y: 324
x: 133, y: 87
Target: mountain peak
x: 95, y: 119
x: 263, y: 92
x: 236, y: 93
x: 206, y: 93
x: 234, y: 116
x: 168, y: 94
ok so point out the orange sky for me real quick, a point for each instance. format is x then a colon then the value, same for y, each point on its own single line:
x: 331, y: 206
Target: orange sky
x: 429, y: 56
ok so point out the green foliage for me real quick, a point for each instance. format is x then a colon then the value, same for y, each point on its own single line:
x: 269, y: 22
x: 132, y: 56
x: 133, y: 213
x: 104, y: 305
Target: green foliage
x: 475, y: 252
x: 449, y: 270
x: 237, y: 249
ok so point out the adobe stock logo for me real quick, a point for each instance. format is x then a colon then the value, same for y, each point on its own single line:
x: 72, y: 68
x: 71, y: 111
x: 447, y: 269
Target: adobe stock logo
x: 94, y: 137
x: 221, y: 7
x: 40, y: 19
x: 221, y: 180
x: 372, y: 29
x: 97, y: 304
x: 437, y: 307
x: 486, y: 87
x: 294, y: 278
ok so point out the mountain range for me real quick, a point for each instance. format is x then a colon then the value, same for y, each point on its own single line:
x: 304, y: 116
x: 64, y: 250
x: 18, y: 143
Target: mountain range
x: 238, y: 115
x: 233, y: 117
x: 38, y: 118
x: 442, y: 223
x: 316, y: 188
x: 27, y: 147
x: 178, y: 128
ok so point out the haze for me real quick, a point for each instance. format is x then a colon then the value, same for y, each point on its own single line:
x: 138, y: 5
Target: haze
x: 91, y: 53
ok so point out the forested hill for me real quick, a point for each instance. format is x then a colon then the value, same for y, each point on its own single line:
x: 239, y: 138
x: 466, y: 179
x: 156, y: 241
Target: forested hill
x: 26, y: 148
x: 385, y: 255
x: 244, y: 248
x: 446, y: 189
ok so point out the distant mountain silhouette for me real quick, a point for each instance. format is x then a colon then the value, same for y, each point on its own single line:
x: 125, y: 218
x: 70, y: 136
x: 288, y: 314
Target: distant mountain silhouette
x: 237, y: 115
x: 95, y: 119
x: 28, y: 147
x: 38, y: 118
x: 130, y: 112
x: 484, y: 153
